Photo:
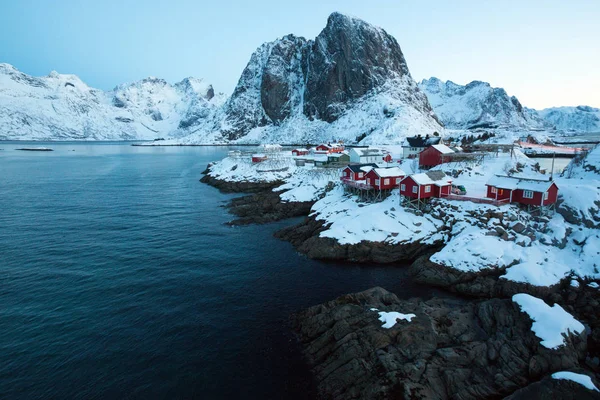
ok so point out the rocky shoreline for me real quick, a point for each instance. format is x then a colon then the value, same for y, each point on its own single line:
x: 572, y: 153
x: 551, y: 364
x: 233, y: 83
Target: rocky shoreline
x: 450, y: 349
x: 480, y: 347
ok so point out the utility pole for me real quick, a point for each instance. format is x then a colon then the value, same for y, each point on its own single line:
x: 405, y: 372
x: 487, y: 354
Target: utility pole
x: 552, y: 170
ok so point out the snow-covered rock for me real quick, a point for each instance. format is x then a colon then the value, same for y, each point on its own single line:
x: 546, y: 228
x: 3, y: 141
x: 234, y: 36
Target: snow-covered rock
x: 477, y: 105
x: 573, y: 119
x: 60, y: 106
x: 551, y: 324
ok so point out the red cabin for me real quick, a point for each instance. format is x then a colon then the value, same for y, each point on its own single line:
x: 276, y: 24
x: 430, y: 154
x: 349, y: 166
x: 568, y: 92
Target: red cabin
x: 426, y: 185
x: 528, y: 191
x: 300, y: 152
x: 385, y: 178
x: 435, y: 155
x: 256, y: 158
x: 329, y: 148
x: 357, y: 172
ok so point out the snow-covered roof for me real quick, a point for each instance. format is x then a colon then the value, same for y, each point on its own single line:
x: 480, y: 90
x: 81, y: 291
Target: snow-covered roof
x: 320, y: 158
x: 368, y: 151
x: 442, y: 148
x: 438, y: 178
x: 389, y: 172
x: 338, y: 155
x: 512, y: 183
x: 366, y: 168
x: 359, y: 167
x: 258, y: 155
x: 421, y: 141
x: 300, y: 150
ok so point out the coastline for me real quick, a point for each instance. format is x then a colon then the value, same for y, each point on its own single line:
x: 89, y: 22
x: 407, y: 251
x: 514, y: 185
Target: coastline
x: 477, y: 287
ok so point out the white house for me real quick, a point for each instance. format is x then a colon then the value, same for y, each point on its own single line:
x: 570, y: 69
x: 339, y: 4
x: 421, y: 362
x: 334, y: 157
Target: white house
x: 413, y: 146
x: 364, y: 155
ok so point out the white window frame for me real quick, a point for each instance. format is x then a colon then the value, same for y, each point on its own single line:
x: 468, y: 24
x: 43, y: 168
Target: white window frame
x: 368, y: 181
x: 428, y: 189
x: 386, y: 181
x: 376, y: 182
x: 415, y: 189
x: 494, y: 189
x: 402, y: 187
x: 546, y: 196
x: 361, y: 175
x: 528, y: 194
x: 398, y: 181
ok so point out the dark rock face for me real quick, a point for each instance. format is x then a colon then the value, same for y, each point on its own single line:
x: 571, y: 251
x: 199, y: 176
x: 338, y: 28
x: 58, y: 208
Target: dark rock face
x: 283, y: 78
x: 450, y: 350
x: 346, y: 60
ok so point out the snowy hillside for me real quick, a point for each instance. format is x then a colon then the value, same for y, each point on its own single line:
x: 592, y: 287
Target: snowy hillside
x: 60, y: 107
x: 477, y: 105
x: 575, y: 119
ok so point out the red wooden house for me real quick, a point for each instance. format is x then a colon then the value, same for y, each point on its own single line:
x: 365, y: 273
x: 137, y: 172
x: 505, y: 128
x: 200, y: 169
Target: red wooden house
x: 300, y: 152
x: 527, y: 191
x: 256, y: 158
x: 436, y: 155
x: 419, y: 187
x: 356, y: 172
x: 329, y: 148
x: 385, y: 178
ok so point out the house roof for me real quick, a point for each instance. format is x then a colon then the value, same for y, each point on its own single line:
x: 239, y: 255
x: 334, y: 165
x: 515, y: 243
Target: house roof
x: 421, y: 141
x: 442, y: 148
x: 368, y: 151
x: 389, y: 172
x: 258, y: 155
x: 513, y: 182
x: 438, y: 178
x: 359, y: 167
x: 337, y: 155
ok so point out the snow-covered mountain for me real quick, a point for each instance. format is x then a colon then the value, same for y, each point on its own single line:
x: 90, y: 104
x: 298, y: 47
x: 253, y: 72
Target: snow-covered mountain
x: 477, y: 105
x: 61, y: 106
x: 351, y: 83
x: 575, y: 119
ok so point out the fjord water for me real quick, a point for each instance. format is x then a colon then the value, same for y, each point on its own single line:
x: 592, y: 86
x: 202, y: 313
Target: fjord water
x: 119, y: 279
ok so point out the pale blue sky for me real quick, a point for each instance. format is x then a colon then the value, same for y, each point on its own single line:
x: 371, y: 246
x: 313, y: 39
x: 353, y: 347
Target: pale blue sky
x: 547, y: 53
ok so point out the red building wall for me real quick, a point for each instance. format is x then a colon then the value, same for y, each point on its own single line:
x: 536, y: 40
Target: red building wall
x: 517, y: 196
x: 434, y: 192
x: 430, y: 157
x: 372, y: 177
x: 347, y: 173
x: 503, y: 194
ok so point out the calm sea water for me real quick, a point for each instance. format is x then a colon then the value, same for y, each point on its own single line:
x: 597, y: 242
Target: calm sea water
x: 119, y: 279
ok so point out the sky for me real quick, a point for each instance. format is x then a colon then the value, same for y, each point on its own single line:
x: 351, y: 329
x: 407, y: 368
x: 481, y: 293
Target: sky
x: 545, y: 52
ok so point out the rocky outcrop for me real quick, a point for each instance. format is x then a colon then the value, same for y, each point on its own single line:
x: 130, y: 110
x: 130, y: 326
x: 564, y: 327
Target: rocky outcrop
x: 262, y: 206
x: 348, y: 59
x: 550, y: 388
x: 265, y: 206
x: 292, y: 81
x: 239, y: 187
x: 305, y: 238
x: 450, y: 349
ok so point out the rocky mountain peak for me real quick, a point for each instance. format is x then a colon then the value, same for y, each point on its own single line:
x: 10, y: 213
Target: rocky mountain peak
x: 320, y: 79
